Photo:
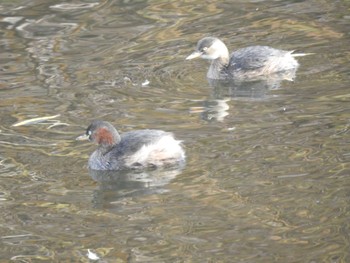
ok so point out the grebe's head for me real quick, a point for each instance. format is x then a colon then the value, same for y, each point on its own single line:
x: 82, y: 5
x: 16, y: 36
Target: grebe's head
x: 209, y: 48
x: 101, y: 132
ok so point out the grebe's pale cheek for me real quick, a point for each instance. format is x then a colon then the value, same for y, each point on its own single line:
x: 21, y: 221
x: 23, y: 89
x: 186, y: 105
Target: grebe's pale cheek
x: 211, y: 56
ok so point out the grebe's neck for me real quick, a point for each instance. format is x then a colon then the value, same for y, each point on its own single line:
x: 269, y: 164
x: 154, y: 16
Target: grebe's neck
x: 220, y: 59
x: 217, y: 68
x: 106, y: 138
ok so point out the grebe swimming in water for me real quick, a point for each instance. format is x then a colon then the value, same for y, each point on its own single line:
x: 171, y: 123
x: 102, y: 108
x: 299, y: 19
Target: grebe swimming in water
x: 131, y: 150
x: 249, y: 62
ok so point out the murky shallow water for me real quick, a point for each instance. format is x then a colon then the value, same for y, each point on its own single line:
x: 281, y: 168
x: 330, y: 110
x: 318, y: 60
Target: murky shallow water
x: 268, y: 165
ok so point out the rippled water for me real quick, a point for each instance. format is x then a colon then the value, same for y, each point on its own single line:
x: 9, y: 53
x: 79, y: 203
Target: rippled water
x: 267, y: 176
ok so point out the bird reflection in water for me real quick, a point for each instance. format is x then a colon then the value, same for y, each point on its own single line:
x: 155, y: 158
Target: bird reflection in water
x: 216, y: 108
x: 115, y: 186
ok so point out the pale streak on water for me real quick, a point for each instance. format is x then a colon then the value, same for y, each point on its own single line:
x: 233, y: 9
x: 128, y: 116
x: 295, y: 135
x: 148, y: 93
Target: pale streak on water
x: 268, y: 163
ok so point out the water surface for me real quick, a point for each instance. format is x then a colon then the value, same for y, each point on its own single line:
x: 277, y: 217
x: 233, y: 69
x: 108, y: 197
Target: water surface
x: 266, y: 178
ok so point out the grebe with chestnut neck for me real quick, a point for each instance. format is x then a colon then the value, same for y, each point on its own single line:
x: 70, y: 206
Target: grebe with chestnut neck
x: 138, y: 149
